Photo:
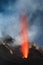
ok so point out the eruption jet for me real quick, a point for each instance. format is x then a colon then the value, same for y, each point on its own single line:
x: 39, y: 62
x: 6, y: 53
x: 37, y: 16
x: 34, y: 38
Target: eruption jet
x: 24, y: 37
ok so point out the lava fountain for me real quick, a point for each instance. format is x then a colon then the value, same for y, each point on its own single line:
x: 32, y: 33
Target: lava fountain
x: 24, y: 37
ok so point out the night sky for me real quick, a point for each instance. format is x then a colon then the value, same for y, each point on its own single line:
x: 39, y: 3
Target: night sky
x: 10, y: 11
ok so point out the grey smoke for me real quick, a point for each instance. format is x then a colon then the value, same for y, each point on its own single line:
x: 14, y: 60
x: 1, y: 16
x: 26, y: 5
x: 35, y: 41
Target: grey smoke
x: 10, y: 18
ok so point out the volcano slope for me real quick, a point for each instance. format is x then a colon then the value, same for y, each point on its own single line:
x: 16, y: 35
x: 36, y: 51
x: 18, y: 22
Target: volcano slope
x: 6, y: 58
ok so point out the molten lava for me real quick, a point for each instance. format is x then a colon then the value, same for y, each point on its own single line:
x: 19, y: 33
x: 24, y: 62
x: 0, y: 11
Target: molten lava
x: 24, y: 37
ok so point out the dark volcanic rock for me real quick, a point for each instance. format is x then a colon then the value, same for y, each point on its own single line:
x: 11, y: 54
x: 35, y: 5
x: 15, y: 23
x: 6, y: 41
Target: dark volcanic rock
x: 6, y: 58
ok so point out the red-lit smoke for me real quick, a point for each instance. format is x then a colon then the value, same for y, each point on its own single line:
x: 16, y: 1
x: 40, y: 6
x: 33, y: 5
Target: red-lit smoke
x: 24, y: 37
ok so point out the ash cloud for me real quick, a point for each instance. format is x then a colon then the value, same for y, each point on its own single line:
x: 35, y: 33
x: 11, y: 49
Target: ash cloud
x: 10, y: 11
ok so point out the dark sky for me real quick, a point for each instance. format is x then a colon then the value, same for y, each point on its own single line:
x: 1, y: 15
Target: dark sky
x: 10, y: 11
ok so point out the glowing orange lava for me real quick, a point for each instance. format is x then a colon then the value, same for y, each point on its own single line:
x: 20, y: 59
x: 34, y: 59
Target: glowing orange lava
x: 24, y: 37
